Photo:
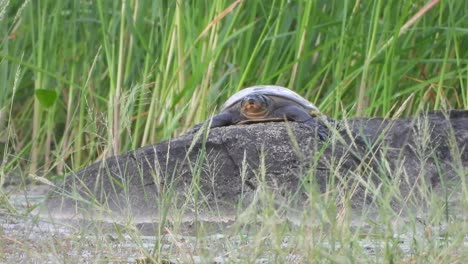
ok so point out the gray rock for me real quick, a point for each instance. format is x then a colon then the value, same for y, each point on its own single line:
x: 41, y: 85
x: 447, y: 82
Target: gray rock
x: 218, y: 176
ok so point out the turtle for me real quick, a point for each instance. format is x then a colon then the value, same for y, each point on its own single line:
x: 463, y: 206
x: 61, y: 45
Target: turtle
x: 266, y: 103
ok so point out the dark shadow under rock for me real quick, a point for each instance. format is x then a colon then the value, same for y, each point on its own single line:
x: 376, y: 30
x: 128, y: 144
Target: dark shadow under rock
x: 216, y: 177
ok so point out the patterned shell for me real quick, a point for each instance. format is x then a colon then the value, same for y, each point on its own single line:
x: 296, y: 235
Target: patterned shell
x: 270, y: 90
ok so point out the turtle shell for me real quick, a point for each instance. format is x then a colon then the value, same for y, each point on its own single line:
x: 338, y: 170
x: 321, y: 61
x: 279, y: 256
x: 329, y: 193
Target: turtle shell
x: 272, y: 90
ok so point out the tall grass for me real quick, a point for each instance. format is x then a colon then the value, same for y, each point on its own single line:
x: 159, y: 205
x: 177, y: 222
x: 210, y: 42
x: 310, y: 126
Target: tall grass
x: 98, y: 78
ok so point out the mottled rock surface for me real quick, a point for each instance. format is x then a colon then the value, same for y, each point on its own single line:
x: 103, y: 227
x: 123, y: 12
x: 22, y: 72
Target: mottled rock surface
x: 221, y: 174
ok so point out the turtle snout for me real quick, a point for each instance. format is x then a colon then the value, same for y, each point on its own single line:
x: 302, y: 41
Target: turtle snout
x: 250, y: 100
x: 252, y: 104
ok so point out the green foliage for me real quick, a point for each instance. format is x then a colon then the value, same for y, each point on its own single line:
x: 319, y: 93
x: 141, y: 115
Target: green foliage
x: 46, y: 97
x: 131, y: 73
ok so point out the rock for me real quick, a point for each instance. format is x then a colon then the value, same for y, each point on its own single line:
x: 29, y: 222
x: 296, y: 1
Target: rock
x: 217, y: 176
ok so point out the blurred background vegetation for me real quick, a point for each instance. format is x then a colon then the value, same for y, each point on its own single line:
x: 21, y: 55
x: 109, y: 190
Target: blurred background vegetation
x: 81, y: 80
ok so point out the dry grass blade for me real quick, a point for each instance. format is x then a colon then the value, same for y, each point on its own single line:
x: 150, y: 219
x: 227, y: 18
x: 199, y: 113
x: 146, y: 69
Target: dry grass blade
x: 217, y: 19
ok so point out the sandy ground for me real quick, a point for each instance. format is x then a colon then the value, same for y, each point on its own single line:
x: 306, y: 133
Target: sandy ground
x: 25, y: 238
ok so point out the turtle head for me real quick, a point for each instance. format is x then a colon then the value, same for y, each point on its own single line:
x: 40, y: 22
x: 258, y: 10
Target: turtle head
x: 255, y: 106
